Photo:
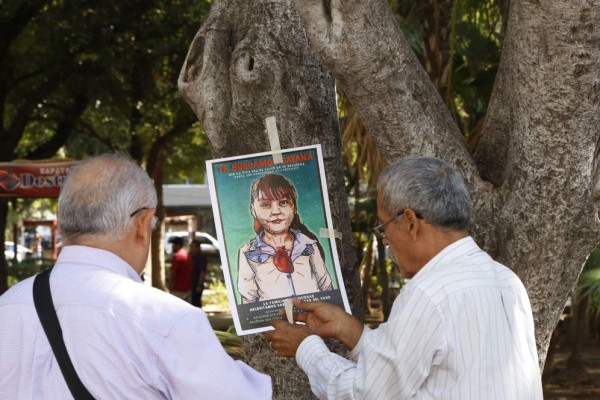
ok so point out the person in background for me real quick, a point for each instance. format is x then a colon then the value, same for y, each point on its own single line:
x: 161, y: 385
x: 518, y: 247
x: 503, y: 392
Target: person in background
x: 199, y: 263
x: 461, y: 328
x: 180, y: 282
x: 126, y: 340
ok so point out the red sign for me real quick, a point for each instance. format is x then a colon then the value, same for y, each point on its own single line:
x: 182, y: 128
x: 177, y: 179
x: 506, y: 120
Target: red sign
x: 32, y: 178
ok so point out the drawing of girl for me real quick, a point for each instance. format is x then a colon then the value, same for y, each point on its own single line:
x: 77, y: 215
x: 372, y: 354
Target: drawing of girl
x: 284, y: 258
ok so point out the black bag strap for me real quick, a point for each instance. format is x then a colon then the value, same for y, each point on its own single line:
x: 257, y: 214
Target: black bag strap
x: 44, y: 306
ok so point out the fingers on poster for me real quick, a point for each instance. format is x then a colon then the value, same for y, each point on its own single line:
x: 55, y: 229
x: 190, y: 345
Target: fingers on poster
x: 270, y: 215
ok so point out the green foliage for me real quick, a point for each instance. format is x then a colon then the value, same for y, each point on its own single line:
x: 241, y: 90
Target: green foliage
x: 186, y: 163
x: 477, y: 44
x: 81, y: 77
x: 475, y: 47
x: 232, y: 343
x: 589, y: 282
x: 18, y: 271
x: 217, y: 295
x: 375, y: 286
x: 135, y: 99
x: 106, y: 73
x: 23, y: 209
x: 593, y: 261
x: 408, y: 15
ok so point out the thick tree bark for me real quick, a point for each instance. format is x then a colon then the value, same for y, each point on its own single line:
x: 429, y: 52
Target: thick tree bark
x: 534, y: 209
x: 540, y: 149
x: 251, y: 60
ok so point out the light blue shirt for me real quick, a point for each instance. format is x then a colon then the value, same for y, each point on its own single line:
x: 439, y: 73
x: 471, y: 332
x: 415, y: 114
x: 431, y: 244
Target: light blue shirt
x: 126, y: 340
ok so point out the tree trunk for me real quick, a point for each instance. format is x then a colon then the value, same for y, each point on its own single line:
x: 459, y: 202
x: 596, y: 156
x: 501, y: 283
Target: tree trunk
x: 540, y: 150
x: 384, y: 281
x: 534, y: 207
x: 157, y: 250
x: 366, y: 276
x: 155, y: 168
x: 251, y: 60
x: 437, y: 45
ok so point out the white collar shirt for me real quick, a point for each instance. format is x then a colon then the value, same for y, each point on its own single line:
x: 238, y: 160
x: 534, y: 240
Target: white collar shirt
x: 461, y: 329
x: 126, y: 340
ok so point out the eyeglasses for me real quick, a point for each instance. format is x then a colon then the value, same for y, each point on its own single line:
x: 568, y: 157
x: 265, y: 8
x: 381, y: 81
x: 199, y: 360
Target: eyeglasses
x: 153, y: 223
x: 379, y: 230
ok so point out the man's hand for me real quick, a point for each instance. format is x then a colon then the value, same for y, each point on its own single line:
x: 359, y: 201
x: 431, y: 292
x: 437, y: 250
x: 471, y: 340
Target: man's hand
x: 329, y: 321
x: 321, y: 318
x: 286, y: 337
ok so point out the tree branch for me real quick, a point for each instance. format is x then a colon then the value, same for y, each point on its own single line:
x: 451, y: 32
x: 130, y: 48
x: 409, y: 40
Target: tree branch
x: 11, y: 27
x: 94, y: 133
x: 64, y: 128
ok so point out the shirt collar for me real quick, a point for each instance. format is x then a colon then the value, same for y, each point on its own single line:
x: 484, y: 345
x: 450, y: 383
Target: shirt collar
x: 91, y: 256
x: 260, y: 252
x: 447, y: 255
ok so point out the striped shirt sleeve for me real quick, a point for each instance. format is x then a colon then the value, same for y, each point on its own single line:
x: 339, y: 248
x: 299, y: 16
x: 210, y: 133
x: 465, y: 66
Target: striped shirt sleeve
x: 392, y: 361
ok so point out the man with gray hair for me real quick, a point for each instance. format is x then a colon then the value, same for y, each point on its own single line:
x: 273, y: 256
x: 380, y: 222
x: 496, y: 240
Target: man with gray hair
x: 461, y: 328
x: 125, y: 339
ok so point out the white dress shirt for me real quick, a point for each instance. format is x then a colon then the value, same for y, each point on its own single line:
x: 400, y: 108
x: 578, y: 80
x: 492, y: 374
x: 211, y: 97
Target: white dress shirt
x: 126, y: 340
x: 461, y: 329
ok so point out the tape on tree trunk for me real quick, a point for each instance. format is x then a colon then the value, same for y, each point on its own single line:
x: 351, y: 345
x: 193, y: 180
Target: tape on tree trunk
x: 271, y: 123
x: 330, y: 234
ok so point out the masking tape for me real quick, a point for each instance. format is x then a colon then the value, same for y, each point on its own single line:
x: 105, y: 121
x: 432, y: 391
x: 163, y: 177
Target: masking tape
x: 330, y: 234
x: 289, y: 309
x: 271, y: 123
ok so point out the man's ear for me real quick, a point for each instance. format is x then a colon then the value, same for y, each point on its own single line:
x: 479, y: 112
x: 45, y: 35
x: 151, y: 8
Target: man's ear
x: 142, y: 224
x: 413, y: 223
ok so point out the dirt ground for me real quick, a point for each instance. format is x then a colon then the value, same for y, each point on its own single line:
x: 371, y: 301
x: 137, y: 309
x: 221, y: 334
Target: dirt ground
x: 561, y: 386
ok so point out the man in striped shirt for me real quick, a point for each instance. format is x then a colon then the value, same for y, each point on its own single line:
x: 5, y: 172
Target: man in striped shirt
x: 461, y: 328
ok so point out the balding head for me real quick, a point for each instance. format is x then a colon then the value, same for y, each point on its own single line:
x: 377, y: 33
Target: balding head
x: 100, y: 194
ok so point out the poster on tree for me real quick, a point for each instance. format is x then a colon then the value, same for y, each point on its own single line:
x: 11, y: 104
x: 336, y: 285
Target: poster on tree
x: 275, y: 232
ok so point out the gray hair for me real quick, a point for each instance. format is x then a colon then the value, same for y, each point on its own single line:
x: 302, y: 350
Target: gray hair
x: 100, y: 194
x: 430, y: 187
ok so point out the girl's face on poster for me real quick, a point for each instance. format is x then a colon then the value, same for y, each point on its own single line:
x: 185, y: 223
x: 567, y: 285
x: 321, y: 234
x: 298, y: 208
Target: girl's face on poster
x: 275, y: 215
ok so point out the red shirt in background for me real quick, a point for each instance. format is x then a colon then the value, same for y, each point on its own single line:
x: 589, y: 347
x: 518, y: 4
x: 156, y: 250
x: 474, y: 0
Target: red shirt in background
x: 181, y: 270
